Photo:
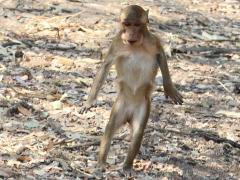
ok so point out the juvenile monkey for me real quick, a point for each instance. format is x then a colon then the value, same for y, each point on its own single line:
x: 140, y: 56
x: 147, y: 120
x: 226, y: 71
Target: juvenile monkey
x: 137, y: 54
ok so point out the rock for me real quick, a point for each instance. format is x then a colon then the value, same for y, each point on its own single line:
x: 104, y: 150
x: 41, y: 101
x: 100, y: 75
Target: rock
x: 32, y: 123
x: 57, y: 105
x: 60, y: 62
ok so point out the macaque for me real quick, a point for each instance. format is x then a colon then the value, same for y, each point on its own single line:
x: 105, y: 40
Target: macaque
x: 136, y: 54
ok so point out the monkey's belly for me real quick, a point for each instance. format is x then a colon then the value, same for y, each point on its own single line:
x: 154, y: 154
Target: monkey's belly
x: 134, y: 86
x: 139, y: 92
x: 137, y: 72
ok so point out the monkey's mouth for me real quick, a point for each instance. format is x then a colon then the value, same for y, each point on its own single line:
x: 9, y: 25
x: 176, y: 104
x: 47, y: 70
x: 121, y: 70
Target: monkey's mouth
x: 133, y: 42
x: 130, y: 42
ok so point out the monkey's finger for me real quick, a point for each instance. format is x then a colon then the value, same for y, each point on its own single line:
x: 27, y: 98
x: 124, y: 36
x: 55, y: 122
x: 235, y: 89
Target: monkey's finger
x: 166, y: 96
x: 179, y: 99
x: 173, y: 100
x: 179, y: 95
x: 176, y: 100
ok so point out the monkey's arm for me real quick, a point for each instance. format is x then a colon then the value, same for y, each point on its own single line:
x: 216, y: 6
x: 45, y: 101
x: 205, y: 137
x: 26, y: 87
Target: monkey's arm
x: 98, y: 82
x: 169, y: 89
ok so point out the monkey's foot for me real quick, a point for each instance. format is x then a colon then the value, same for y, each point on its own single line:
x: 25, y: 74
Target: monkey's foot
x: 102, y: 166
x: 128, y: 171
x: 127, y: 165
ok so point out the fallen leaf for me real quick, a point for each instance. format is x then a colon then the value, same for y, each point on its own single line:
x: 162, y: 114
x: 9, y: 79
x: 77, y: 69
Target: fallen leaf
x: 229, y: 113
x: 24, y: 159
x: 62, y: 61
x: 57, y: 105
x: 49, y: 146
x: 24, y: 111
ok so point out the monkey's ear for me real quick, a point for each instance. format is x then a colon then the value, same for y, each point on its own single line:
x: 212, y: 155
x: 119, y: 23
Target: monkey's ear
x: 147, y: 12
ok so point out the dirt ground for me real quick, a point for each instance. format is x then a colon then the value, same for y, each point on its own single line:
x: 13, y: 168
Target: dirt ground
x: 50, y: 52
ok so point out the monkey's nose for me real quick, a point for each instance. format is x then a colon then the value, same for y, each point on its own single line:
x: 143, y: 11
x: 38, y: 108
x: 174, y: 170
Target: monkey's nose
x: 131, y: 41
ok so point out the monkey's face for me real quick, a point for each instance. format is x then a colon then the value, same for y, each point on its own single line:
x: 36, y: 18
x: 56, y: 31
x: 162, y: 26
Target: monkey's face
x: 134, y: 21
x: 132, y: 33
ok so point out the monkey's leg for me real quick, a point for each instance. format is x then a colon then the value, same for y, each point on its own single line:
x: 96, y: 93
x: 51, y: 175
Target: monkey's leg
x: 139, y: 121
x: 117, y: 119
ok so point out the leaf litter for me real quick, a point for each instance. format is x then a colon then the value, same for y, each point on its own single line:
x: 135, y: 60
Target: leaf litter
x: 50, y: 52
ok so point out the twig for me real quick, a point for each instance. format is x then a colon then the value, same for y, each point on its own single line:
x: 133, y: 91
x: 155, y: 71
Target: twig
x: 95, y: 143
x: 64, y: 141
x: 219, y: 82
x: 207, y: 135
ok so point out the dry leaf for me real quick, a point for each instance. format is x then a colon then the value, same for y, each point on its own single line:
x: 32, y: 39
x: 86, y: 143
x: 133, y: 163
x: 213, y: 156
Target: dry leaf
x: 24, y: 111
x: 24, y: 159
x: 49, y: 146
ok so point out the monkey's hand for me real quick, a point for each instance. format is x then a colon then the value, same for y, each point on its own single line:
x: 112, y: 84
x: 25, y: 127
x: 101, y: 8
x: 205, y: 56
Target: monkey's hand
x: 170, y: 91
x: 86, y: 107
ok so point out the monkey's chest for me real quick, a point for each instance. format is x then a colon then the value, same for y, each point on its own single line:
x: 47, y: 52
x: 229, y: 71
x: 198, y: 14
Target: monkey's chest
x: 137, y: 70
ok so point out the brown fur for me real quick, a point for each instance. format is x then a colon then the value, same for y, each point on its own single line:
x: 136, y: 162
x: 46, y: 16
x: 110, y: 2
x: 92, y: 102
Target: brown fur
x: 136, y: 65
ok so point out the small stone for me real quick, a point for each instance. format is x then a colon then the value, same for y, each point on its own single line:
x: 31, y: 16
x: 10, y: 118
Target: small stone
x: 57, y: 105
x: 32, y: 123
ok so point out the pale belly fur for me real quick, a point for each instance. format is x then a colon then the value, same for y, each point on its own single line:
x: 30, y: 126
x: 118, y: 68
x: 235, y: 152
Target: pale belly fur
x: 138, y: 69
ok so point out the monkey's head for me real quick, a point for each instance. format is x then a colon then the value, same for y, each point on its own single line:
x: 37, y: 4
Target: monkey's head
x: 133, y: 21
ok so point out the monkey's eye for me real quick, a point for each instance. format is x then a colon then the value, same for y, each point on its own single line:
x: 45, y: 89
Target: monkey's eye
x: 126, y: 24
x: 137, y: 24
